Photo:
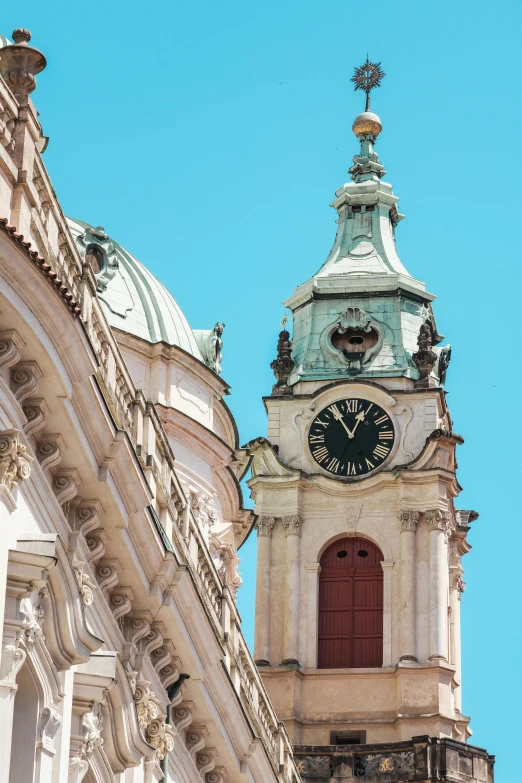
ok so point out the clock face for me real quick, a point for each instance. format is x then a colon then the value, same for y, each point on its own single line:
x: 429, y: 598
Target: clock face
x: 351, y: 437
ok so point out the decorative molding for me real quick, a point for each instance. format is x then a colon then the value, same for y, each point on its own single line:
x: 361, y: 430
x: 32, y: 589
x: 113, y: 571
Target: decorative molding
x: 85, y: 516
x: 93, y: 724
x: 78, y: 767
x: 161, y: 737
x: 11, y: 345
x: 121, y: 601
x: 49, y: 723
x: 32, y: 625
x: 292, y: 525
x: 147, y: 704
x: 36, y: 412
x: 438, y: 519
x: 195, y: 739
x: 457, y: 582
x: 65, y: 486
x: 409, y: 520
x: 206, y: 760
x: 134, y: 629
x: 264, y: 526
x: 182, y: 716
x: 152, y: 723
x: 107, y: 574
x: 353, y: 318
x: 154, y: 639
x: 25, y: 379
x: 49, y: 450
x: 170, y: 673
x: 161, y: 656
x: 12, y: 660
x: 56, y: 283
x: 85, y: 583
x: 96, y: 544
x: 15, y: 462
x: 218, y: 775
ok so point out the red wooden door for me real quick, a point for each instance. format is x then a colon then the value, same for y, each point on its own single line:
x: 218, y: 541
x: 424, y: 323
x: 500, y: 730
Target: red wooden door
x: 350, y: 605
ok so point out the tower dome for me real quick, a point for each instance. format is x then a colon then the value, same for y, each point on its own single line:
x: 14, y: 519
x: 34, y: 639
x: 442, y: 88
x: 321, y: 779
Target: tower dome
x: 133, y: 299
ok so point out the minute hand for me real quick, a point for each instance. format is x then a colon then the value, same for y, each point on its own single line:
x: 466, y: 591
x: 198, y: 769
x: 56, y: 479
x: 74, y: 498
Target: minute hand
x: 360, y: 417
x: 339, y: 417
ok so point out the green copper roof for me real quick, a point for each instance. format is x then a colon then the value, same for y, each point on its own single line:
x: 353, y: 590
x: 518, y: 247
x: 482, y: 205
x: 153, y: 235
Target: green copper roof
x: 363, y: 292
x: 133, y: 299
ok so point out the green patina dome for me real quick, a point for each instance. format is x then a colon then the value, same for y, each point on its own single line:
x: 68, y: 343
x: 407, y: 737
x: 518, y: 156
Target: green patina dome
x: 133, y: 299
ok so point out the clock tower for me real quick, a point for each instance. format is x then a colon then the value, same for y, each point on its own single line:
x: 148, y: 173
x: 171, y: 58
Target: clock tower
x: 359, y: 579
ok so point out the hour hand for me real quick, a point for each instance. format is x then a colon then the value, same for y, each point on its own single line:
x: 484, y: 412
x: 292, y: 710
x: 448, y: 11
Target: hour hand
x: 338, y: 416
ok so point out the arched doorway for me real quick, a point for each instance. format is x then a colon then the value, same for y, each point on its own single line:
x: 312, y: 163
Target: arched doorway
x: 350, y: 605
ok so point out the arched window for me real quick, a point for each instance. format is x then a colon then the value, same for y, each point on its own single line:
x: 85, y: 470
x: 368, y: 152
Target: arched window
x: 350, y: 605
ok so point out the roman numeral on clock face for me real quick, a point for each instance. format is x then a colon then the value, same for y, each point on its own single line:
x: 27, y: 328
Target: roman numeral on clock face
x: 380, y: 451
x: 316, y: 438
x: 385, y: 435
x: 321, y: 454
x: 333, y: 465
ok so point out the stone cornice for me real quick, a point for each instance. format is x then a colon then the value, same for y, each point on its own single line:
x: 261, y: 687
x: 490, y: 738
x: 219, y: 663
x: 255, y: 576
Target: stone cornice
x: 45, y: 268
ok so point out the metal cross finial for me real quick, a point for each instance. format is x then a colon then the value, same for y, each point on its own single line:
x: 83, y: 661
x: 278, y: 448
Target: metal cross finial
x: 366, y: 77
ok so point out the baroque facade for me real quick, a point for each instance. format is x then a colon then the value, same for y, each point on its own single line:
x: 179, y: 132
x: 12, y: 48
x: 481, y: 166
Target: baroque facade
x: 360, y: 540
x: 122, y: 657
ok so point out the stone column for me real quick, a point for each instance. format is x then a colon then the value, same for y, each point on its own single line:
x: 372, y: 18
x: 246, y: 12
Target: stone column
x: 292, y: 527
x: 264, y: 526
x: 409, y: 520
x: 438, y: 523
x: 457, y: 587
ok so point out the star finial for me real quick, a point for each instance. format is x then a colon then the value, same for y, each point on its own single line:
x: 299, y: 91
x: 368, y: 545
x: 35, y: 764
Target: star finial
x: 367, y: 77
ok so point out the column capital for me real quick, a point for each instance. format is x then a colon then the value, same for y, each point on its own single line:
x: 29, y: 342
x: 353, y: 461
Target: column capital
x: 457, y: 582
x: 438, y: 519
x: 292, y: 524
x: 264, y: 526
x: 409, y: 520
x: 15, y: 462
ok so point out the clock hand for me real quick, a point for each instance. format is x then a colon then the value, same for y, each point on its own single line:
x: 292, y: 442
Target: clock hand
x: 338, y: 416
x: 360, y: 417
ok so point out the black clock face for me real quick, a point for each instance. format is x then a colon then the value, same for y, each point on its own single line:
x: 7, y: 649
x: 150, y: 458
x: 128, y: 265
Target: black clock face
x: 351, y: 437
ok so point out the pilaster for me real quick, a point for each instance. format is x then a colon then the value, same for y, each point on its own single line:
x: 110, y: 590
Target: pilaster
x: 292, y: 527
x: 438, y: 523
x: 409, y: 521
x: 264, y: 526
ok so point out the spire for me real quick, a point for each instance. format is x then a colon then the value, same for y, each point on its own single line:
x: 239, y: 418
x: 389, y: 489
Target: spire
x: 367, y: 125
x: 367, y: 207
x: 361, y: 313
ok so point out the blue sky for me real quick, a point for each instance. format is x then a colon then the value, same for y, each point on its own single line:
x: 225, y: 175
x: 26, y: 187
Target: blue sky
x: 208, y: 138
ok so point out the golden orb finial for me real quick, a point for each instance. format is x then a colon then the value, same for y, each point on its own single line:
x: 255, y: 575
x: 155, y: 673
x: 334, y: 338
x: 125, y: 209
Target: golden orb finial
x: 367, y: 122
